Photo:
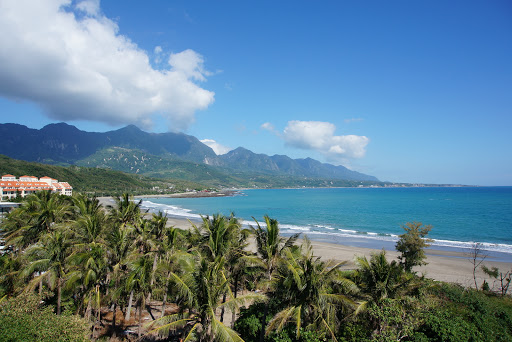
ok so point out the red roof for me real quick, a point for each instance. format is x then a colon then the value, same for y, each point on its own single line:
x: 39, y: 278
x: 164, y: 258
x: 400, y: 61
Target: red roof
x: 7, y: 176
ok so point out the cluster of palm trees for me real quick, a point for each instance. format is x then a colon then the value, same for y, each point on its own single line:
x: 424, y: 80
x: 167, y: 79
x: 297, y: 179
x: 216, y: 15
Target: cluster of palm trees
x: 87, y: 259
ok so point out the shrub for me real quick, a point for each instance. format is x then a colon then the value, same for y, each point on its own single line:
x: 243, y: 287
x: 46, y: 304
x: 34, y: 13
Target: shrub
x: 23, y: 318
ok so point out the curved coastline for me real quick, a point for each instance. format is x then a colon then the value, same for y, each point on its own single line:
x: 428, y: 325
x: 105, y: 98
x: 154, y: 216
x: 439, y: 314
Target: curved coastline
x: 443, y: 265
x: 353, y: 238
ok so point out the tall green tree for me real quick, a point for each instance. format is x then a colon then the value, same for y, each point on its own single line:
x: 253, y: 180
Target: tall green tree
x: 305, y: 285
x: 39, y: 214
x: 270, y: 249
x: 158, y: 228
x: 200, y: 291
x: 381, y: 279
x: 138, y: 283
x: 412, y: 245
x: 119, y: 241
x: 125, y: 211
x: 216, y: 235
x: 49, y: 259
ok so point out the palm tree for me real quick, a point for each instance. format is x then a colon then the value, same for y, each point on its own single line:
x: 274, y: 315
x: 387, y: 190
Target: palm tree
x: 158, y: 226
x: 381, y: 279
x: 90, y: 258
x: 138, y: 282
x: 10, y: 266
x: 84, y: 205
x: 383, y: 283
x: 270, y: 248
x: 305, y: 285
x: 50, y: 260
x: 88, y: 275
x: 125, y: 211
x: 200, y: 292
x: 270, y: 244
x: 39, y: 214
x: 119, y: 241
x: 171, y: 246
x: 216, y: 235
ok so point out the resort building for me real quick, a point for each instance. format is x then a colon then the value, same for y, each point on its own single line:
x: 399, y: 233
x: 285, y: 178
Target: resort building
x: 10, y: 187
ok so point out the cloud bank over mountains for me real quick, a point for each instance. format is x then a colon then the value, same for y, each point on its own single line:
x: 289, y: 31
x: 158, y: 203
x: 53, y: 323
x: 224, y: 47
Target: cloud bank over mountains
x: 71, y: 60
x: 216, y: 147
x: 319, y: 136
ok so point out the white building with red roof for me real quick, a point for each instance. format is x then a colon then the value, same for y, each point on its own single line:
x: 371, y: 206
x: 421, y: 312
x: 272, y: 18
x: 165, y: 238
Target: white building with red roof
x: 10, y: 187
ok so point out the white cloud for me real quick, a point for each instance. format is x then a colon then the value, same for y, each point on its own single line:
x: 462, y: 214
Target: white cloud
x: 91, y: 7
x: 319, y: 136
x: 216, y: 147
x: 268, y: 127
x: 72, y: 61
x: 347, y: 121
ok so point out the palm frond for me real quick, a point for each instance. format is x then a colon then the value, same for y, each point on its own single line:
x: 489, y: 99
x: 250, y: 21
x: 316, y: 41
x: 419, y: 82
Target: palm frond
x: 338, y: 299
x: 235, y: 303
x: 278, y: 322
x: 183, y: 288
x: 192, y: 332
x: 169, y: 323
x: 328, y: 327
x: 222, y: 333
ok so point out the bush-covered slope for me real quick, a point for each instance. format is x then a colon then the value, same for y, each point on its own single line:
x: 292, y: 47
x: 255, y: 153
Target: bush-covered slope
x: 95, y: 180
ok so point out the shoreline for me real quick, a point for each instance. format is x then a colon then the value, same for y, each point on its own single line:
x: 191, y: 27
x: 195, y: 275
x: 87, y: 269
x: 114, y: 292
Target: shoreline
x: 447, y: 266
x: 443, y: 265
x: 349, y: 237
x: 198, y: 194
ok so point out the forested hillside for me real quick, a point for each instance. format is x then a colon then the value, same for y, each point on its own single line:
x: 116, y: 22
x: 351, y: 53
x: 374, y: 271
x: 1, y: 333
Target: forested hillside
x: 96, y: 181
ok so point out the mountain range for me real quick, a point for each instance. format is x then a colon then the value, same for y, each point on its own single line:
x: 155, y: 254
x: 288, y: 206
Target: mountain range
x: 169, y: 154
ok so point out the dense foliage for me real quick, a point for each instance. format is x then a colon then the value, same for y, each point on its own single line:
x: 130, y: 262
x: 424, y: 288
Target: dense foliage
x: 69, y: 262
x: 24, y: 319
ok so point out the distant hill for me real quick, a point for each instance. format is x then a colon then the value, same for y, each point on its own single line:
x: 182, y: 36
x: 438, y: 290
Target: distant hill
x: 243, y: 159
x: 176, y: 155
x: 95, y: 180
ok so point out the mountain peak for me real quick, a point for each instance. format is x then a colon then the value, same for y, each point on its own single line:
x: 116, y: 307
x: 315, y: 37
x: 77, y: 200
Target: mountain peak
x: 59, y: 126
x: 130, y: 128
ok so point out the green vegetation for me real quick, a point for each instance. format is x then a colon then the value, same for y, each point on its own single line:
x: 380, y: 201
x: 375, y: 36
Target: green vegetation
x: 24, y: 319
x: 97, y: 181
x: 71, y: 270
x: 412, y: 243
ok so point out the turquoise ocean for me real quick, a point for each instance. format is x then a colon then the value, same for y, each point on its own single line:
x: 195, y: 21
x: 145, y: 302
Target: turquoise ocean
x: 369, y: 217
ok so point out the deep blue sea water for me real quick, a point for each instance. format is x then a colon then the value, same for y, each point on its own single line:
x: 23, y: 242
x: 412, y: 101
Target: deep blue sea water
x: 369, y: 217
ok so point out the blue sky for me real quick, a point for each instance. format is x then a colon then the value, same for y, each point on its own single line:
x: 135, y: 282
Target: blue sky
x: 407, y: 91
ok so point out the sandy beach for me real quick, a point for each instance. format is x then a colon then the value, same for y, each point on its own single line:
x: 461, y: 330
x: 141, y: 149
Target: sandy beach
x: 448, y: 266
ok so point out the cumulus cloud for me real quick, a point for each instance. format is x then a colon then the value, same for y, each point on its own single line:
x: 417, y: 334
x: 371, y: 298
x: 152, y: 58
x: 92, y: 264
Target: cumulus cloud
x: 216, y: 147
x: 319, y: 136
x: 71, y: 60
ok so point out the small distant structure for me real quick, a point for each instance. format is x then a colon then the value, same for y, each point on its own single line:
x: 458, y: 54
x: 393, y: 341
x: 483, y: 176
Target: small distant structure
x: 6, y: 207
x: 10, y: 187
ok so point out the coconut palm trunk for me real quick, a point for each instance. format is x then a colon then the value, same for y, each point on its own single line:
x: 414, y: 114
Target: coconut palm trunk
x: 152, y: 281
x: 129, y: 309
x: 59, y: 295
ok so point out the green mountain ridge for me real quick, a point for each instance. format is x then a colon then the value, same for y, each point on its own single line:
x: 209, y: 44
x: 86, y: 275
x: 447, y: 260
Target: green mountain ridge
x: 141, y: 162
x: 169, y: 155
